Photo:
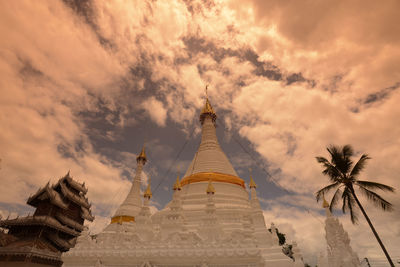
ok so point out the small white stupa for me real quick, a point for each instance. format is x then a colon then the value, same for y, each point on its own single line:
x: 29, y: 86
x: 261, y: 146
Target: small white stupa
x: 210, y: 221
x: 339, y: 251
x: 133, y: 202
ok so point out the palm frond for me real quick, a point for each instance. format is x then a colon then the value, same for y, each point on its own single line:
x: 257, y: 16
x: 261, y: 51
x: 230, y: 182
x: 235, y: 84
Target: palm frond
x: 322, y: 160
x: 335, y: 199
x: 359, y: 166
x: 334, y: 151
x: 324, y: 190
x: 349, y: 204
x: 376, y: 199
x: 340, y: 157
x: 347, y: 151
x: 373, y: 185
x: 330, y: 170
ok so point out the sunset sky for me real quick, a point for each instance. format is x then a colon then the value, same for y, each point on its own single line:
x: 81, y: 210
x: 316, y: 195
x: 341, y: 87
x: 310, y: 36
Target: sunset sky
x: 84, y: 84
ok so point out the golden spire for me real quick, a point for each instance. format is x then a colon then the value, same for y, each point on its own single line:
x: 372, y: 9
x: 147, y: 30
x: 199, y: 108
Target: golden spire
x: 325, y: 203
x: 142, y: 155
x: 207, y: 110
x: 252, y: 184
x: 148, y: 193
x: 210, y: 188
x: 177, y: 185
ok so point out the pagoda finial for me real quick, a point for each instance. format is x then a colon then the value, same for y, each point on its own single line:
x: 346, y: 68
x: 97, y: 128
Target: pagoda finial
x: 142, y: 155
x: 252, y: 184
x: 207, y: 110
x: 177, y: 185
x: 210, y: 188
x: 147, y: 193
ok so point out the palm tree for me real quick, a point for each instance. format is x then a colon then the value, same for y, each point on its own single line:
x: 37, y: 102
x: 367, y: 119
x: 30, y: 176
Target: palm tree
x: 344, y: 177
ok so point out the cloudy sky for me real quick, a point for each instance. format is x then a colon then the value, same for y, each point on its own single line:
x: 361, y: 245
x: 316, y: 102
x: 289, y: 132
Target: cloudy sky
x: 85, y: 83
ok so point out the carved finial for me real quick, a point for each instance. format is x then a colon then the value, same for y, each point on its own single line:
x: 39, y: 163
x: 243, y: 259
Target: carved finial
x: 252, y: 184
x: 147, y: 193
x: 142, y: 155
x: 177, y: 185
x: 207, y: 110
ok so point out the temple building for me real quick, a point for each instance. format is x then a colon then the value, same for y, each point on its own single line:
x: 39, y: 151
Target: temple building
x: 339, y: 251
x: 210, y: 221
x: 40, y: 239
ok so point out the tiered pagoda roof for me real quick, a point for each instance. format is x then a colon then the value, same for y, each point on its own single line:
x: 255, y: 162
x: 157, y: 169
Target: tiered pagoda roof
x: 53, y: 228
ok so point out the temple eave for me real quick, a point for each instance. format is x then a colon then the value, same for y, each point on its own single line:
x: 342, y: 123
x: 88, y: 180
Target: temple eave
x: 214, y: 177
x: 79, y: 200
x: 40, y: 221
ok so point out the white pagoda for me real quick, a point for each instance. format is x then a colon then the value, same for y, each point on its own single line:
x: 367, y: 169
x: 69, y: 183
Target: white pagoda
x: 339, y: 251
x: 210, y: 221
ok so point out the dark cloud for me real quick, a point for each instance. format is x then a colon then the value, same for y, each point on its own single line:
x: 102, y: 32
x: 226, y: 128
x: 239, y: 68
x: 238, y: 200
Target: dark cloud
x: 200, y: 7
x: 28, y: 70
x: 380, y: 95
x: 196, y: 45
x: 295, y: 77
x: 85, y: 10
x: 65, y: 151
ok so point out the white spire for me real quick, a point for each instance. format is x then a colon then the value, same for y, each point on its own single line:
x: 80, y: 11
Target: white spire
x: 209, y: 157
x: 133, y: 202
x: 339, y: 250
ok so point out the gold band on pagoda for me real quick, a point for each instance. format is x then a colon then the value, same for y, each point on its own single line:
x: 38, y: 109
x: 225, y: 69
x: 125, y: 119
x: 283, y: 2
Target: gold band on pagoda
x: 121, y: 219
x: 214, y: 177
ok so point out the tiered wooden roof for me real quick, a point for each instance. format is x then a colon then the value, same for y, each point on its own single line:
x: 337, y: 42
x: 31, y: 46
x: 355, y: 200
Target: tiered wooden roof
x: 54, y: 227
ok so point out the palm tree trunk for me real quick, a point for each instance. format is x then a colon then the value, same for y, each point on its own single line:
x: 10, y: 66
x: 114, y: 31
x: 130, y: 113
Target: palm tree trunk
x: 372, y: 227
